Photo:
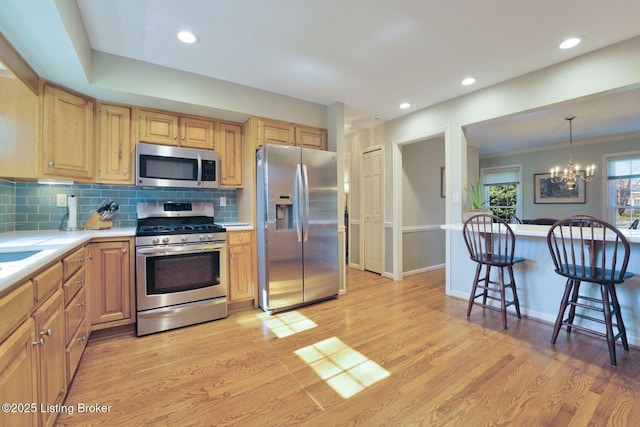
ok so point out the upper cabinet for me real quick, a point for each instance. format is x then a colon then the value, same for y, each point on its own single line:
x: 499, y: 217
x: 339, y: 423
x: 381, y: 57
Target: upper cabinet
x: 68, y: 135
x: 115, y: 145
x: 229, y: 145
x: 19, y: 109
x: 311, y: 137
x: 269, y: 131
x: 164, y: 128
x: 19, y: 114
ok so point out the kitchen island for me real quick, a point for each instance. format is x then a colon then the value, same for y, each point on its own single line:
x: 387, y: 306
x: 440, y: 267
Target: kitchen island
x: 539, y: 288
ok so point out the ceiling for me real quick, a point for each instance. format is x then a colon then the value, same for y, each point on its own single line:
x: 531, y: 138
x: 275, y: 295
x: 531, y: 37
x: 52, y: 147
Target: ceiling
x: 372, y: 56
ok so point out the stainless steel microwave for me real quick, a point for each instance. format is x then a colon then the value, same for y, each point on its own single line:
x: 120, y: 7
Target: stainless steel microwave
x: 177, y: 167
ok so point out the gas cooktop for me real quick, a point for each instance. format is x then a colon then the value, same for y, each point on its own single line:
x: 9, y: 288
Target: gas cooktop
x: 170, y: 229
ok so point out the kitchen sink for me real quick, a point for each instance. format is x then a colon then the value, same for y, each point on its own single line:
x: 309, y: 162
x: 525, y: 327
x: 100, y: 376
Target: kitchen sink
x: 16, y: 256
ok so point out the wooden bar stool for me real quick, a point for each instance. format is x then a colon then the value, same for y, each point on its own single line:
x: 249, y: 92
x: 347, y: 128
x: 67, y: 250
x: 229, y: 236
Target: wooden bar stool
x: 586, y: 249
x: 491, y: 243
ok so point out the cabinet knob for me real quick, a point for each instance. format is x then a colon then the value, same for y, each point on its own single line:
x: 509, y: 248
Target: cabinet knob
x: 175, y: 136
x: 81, y: 304
x: 52, y: 163
x: 240, y: 238
x: 182, y: 138
x: 125, y: 171
x: 80, y: 282
x: 124, y: 251
x: 80, y: 260
x: 39, y: 342
x: 82, y: 338
x: 47, y: 332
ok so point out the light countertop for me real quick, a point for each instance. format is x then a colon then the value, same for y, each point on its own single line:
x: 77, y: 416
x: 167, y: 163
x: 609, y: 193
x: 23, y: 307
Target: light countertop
x: 51, y: 244
x: 633, y: 236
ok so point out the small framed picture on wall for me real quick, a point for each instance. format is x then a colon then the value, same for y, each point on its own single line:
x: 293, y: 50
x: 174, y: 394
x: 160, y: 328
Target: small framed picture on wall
x: 548, y: 192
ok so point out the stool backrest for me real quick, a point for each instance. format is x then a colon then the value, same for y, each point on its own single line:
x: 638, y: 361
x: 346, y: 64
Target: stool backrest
x: 586, y: 248
x: 489, y: 239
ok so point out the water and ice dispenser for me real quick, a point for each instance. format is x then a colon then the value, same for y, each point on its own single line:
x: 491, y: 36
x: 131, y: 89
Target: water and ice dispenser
x: 284, y: 212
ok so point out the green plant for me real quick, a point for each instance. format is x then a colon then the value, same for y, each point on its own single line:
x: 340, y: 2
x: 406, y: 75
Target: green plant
x: 476, y: 196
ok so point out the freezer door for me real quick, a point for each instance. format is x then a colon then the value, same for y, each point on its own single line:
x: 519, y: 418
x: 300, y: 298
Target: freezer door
x: 320, y: 225
x: 279, y: 227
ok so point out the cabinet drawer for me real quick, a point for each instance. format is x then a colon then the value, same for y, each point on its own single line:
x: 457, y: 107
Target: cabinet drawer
x: 72, y: 263
x: 239, y: 238
x: 76, y: 348
x: 15, y: 308
x: 74, y: 313
x: 73, y: 285
x: 47, y: 282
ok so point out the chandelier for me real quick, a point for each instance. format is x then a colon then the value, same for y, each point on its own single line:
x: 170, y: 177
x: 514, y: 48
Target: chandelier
x: 570, y: 176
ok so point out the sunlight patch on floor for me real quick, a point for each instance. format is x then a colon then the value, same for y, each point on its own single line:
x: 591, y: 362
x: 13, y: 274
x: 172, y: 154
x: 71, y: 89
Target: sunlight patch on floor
x: 289, y: 323
x: 345, y: 370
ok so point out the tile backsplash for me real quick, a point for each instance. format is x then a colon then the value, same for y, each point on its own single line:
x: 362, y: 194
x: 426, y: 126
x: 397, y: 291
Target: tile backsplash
x: 32, y: 206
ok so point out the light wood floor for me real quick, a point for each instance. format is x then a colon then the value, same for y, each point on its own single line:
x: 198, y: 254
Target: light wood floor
x: 443, y: 369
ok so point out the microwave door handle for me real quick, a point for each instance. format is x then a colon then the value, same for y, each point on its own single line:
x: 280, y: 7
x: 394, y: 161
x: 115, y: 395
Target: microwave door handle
x: 199, y: 179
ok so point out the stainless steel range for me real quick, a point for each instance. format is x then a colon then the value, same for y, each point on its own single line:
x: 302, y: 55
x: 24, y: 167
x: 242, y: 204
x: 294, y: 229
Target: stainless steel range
x: 181, y: 268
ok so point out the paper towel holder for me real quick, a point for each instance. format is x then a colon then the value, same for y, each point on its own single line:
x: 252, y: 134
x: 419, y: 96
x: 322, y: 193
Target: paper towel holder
x: 67, y: 216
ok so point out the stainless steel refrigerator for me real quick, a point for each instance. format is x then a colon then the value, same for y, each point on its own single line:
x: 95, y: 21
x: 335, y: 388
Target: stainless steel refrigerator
x: 297, y: 231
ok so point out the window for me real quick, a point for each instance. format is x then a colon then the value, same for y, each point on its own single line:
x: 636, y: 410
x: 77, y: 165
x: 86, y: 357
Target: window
x: 502, y: 190
x: 623, y: 189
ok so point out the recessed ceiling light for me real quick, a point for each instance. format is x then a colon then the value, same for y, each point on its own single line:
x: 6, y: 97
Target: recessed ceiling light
x: 468, y: 81
x: 570, y: 42
x: 404, y: 105
x: 187, y: 37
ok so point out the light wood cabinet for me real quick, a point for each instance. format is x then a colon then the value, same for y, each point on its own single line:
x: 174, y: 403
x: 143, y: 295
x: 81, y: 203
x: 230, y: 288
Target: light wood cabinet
x: 68, y: 135
x: 164, y: 128
x: 115, y: 145
x: 50, y: 353
x: 229, y: 145
x: 311, y: 137
x: 18, y: 381
x: 269, y: 131
x: 75, y: 310
x: 19, y: 109
x: 109, y: 283
x: 242, y: 266
x: 197, y: 133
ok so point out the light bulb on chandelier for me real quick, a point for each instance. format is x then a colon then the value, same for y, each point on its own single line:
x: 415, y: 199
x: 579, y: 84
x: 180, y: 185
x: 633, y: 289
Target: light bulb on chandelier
x: 572, y: 173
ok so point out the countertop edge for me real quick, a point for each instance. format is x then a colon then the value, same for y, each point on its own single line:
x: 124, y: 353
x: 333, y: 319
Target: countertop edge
x: 55, y: 250
x: 633, y: 236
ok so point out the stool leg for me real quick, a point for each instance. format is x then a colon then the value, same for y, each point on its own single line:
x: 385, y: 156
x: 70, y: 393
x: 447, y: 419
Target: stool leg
x: 563, y: 307
x: 487, y: 278
x: 572, y: 308
x: 616, y: 307
x: 515, y: 293
x: 503, y: 302
x: 607, y: 321
x: 474, y: 288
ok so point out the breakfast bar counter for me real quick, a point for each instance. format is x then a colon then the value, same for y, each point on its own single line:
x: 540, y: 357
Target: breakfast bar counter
x: 539, y: 288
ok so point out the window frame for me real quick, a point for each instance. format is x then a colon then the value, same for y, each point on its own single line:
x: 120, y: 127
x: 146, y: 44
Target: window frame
x: 609, y: 188
x: 484, y: 172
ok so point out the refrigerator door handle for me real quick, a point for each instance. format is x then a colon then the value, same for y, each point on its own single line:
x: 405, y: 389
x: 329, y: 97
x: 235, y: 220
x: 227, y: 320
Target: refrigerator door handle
x: 305, y: 229
x: 297, y: 203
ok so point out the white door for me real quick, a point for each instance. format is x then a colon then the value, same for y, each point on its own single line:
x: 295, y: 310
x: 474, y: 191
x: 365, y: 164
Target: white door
x: 372, y: 200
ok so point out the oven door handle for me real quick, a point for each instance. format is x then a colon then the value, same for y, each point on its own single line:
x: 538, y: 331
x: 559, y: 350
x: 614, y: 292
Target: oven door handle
x: 179, y: 250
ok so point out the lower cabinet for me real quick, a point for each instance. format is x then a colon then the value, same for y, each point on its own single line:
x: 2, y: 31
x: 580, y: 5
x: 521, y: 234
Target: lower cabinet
x: 109, y: 283
x: 18, y: 381
x: 50, y: 353
x: 242, y: 266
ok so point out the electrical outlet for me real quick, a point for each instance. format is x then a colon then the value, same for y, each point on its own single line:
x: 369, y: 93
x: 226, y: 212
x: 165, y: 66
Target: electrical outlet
x: 223, y: 201
x: 61, y: 200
